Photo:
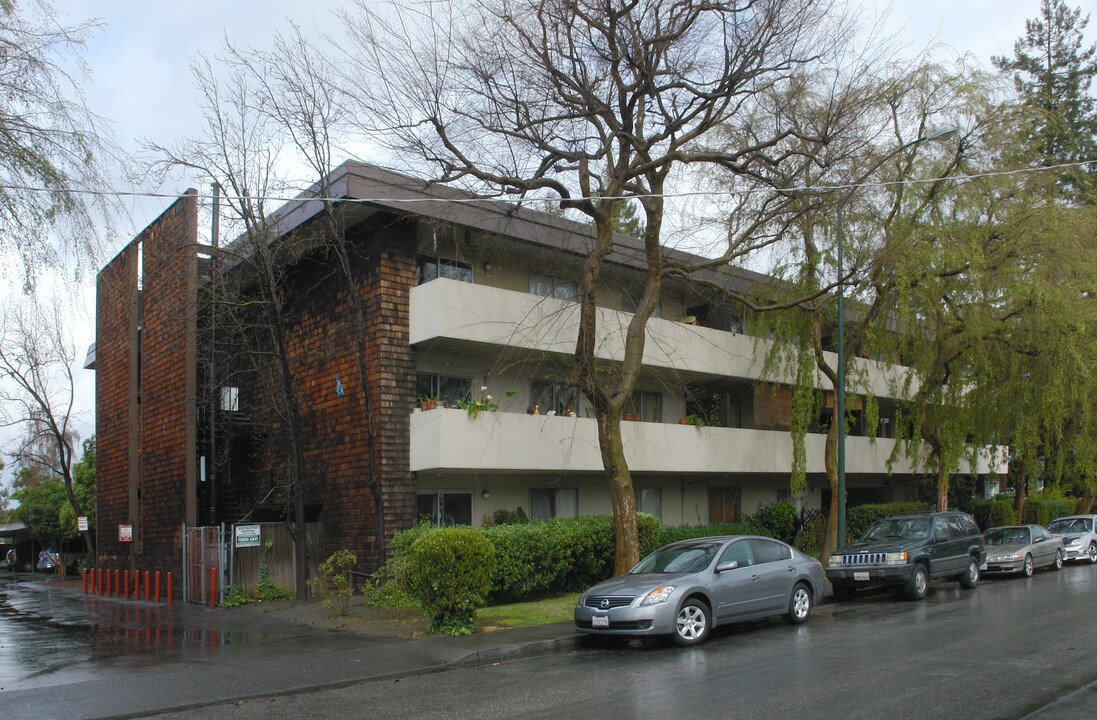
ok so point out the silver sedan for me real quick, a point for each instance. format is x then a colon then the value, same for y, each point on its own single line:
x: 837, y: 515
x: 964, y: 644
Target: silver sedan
x: 1079, y: 533
x: 686, y: 588
x: 1022, y: 549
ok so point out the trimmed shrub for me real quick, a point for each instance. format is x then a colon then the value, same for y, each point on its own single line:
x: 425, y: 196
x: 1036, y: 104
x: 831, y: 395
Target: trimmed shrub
x: 528, y: 561
x: 809, y: 539
x: 335, y: 580
x: 686, y: 532
x: 1042, y: 509
x: 1001, y: 513
x: 449, y: 571
x: 860, y: 517
x: 778, y: 519
x: 980, y: 510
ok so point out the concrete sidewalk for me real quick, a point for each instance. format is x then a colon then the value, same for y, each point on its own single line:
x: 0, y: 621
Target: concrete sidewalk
x: 187, y: 656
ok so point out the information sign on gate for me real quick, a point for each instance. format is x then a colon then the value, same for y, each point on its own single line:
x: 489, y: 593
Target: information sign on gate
x: 82, y: 523
x: 247, y: 536
x: 125, y: 533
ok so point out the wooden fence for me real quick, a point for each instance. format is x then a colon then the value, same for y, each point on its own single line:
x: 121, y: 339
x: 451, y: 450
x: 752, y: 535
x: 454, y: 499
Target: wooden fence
x: 245, y: 561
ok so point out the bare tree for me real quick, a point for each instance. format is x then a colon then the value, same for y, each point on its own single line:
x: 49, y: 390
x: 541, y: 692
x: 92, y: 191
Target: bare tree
x: 53, y: 148
x: 37, y: 392
x: 592, y: 101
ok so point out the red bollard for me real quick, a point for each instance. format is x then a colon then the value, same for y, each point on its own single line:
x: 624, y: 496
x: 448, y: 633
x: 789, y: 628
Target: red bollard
x: 136, y: 584
x: 126, y: 584
x: 84, y: 576
x: 148, y: 577
x: 169, y: 587
x: 212, y: 588
x: 117, y: 583
x: 157, y: 593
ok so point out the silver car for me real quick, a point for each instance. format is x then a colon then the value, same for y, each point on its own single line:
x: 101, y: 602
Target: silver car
x: 1022, y: 549
x: 1079, y: 536
x: 686, y: 588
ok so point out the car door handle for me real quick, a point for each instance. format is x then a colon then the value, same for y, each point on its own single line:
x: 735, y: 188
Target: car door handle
x: 791, y: 568
x: 754, y: 578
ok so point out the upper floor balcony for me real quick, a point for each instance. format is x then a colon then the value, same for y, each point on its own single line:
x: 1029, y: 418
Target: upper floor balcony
x: 447, y: 439
x: 453, y: 312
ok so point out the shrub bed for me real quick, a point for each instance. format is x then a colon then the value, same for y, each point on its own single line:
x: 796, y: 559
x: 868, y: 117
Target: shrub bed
x: 450, y: 571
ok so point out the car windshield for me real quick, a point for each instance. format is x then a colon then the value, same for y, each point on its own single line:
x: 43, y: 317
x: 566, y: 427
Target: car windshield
x: 1007, y: 536
x: 1070, y: 525
x: 678, y: 559
x: 898, y: 528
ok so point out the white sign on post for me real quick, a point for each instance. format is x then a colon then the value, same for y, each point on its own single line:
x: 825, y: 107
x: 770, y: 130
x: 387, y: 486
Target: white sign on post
x: 125, y: 533
x: 247, y: 536
x: 82, y: 523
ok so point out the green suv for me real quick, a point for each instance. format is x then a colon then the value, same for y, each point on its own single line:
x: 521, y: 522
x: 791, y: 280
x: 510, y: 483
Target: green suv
x: 907, y: 551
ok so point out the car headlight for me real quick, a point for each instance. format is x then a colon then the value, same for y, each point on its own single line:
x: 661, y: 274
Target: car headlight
x: 898, y: 558
x: 1074, y: 541
x: 836, y: 561
x: 658, y: 595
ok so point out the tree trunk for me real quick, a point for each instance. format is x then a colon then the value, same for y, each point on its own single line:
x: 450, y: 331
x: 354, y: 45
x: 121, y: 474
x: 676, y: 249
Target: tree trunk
x: 942, y: 482
x: 622, y: 496
x: 1019, y: 491
x: 831, y: 541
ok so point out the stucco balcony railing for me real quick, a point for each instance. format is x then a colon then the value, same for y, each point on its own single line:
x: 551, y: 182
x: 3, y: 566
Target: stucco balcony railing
x: 481, y: 315
x: 447, y: 439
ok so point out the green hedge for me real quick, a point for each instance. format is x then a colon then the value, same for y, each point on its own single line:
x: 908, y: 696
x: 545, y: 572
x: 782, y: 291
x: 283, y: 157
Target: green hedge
x: 1001, y: 513
x: 778, y: 519
x: 562, y: 555
x: 1042, y: 510
x: 860, y: 517
x: 450, y: 572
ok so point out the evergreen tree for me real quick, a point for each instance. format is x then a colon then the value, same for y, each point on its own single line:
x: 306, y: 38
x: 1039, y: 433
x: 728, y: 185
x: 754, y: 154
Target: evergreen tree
x: 1052, y: 72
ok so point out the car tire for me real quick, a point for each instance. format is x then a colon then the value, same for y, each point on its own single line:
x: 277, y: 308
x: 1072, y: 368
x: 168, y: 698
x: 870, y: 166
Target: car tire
x: 692, y: 623
x: 918, y: 585
x: 970, y: 578
x: 1028, y: 568
x: 1091, y: 553
x: 1057, y: 563
x: 799, y: 605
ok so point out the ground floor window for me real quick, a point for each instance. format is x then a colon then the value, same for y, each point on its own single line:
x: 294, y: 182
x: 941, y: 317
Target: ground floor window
x: 650, y: 500
x: 549, y: 503
x: 723, y: 504
x: 444, y: 508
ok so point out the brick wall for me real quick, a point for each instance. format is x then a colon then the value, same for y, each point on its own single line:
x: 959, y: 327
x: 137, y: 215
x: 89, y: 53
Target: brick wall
x: 115, y: 399
x: 145, y: 383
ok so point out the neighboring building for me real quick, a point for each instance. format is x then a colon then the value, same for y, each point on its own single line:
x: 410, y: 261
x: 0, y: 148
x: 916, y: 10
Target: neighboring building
x: 459, y: 296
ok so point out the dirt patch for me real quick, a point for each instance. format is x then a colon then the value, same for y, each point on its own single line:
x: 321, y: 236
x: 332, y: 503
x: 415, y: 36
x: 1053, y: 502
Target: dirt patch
x: 360, y: 617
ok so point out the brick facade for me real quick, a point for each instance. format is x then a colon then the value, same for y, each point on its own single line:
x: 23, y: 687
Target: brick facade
x: 145, y: 388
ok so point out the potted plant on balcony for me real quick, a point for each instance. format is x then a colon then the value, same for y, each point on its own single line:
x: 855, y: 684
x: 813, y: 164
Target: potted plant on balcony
x: 428, y: 403
x: 474, y: 406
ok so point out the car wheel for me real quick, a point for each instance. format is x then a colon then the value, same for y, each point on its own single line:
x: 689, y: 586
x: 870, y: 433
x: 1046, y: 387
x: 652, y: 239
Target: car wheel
x: 918, y: 585
x: 1091, y: 553
x: 842, y: 593
x: 970, y: 578
x: 692, y: 625
x: 1028, y: 568
x: 1057, y: 564
x: 799, y: 605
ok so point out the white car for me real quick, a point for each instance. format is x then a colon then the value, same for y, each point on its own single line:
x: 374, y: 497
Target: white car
x: 1079, y: 533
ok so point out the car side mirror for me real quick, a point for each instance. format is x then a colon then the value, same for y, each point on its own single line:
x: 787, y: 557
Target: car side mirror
x: 724, y: 567
x: 1039, y: 539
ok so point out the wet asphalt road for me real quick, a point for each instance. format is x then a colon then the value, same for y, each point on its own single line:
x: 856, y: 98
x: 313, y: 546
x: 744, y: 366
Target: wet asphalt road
x: 1013, y: 648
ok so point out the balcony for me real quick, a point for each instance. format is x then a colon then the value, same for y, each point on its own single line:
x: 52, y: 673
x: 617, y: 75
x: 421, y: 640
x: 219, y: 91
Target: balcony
x: 447, y: 439
x: 457, y: 314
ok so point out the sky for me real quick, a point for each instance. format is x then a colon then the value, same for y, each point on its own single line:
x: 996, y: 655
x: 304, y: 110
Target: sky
x: 140, y: 81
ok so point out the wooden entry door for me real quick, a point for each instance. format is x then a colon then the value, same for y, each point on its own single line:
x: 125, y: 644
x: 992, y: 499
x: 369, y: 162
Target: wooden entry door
x: 723, y: 504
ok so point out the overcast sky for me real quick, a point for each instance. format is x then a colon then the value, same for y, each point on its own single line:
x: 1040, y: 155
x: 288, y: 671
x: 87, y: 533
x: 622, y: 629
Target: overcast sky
x: 140, y: 78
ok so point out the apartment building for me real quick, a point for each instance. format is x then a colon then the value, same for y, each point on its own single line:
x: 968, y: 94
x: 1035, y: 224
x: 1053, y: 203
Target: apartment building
x: 463, y: 300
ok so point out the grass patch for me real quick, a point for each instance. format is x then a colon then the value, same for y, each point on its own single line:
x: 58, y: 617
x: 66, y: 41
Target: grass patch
x: 525, y: 614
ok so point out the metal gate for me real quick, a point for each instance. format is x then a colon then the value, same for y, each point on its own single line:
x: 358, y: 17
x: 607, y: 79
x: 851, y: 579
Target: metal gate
x: 203, y: 557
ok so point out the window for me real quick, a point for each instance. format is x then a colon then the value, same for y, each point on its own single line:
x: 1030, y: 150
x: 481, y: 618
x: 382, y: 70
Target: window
x: 549, y: 503
x: 723, y: 504
x: 940, y: 529
x: 648, y: 406
x: 630, y: 301
x: 650, y: 501
x: 956, y: 526
x: 447, y: 388
x: 445, y: 508
x: 230, y: 399
x: 558, y: 397
x: 431, y: 268
x: 553, y: 287
x: 767, y: 551
x: 738, y: 551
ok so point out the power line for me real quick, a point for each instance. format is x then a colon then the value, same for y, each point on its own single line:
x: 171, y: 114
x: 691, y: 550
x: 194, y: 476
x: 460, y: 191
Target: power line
x: 820, y: 189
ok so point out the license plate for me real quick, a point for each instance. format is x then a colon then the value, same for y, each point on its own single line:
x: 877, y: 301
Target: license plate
x: 860, y: 576
x: 600, y: 621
